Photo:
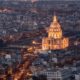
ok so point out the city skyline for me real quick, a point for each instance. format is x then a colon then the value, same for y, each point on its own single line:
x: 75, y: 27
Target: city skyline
x: 36, y: 44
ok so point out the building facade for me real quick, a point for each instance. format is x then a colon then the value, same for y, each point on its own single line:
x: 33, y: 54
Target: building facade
x: 55, y: 39
x: 59, y: 74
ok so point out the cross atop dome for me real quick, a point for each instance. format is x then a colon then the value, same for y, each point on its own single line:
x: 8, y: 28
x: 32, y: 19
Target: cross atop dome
x: 55, y: 18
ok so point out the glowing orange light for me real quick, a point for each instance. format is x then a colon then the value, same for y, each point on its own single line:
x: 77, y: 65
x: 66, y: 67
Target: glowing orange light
x: 34, y: 42
x: 55, y: 39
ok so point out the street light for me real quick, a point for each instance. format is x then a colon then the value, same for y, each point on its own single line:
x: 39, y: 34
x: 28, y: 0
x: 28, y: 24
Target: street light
x: 33, y: 42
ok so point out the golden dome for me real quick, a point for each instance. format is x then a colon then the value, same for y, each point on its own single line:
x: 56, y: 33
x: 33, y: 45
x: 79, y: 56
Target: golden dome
x: 55, y: 29
x: 55, y: 39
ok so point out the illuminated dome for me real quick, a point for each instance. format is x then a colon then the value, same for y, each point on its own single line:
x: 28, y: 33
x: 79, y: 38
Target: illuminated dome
x: 55, y: 39
x: 55, y: 30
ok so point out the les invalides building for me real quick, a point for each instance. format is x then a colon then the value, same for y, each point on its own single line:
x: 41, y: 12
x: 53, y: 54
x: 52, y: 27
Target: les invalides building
x: 55, y: 39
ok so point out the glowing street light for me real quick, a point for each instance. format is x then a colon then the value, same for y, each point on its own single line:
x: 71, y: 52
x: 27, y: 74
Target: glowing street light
x: 34, y: 42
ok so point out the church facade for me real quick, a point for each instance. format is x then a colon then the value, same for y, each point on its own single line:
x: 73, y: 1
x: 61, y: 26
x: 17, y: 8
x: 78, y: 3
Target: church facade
x: 55, y: 39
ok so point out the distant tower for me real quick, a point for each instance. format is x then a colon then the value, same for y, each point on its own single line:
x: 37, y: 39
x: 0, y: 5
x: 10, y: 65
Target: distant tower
x: 55, y: 39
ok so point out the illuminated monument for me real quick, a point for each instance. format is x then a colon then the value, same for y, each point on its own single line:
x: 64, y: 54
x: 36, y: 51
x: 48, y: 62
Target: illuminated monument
x: 55, y: 39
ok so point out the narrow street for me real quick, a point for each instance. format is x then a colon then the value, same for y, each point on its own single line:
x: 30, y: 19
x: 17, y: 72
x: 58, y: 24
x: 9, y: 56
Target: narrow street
x: 24, y: 68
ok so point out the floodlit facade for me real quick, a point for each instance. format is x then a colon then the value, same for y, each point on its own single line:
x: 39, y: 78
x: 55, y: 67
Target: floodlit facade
x: 55, y: 39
